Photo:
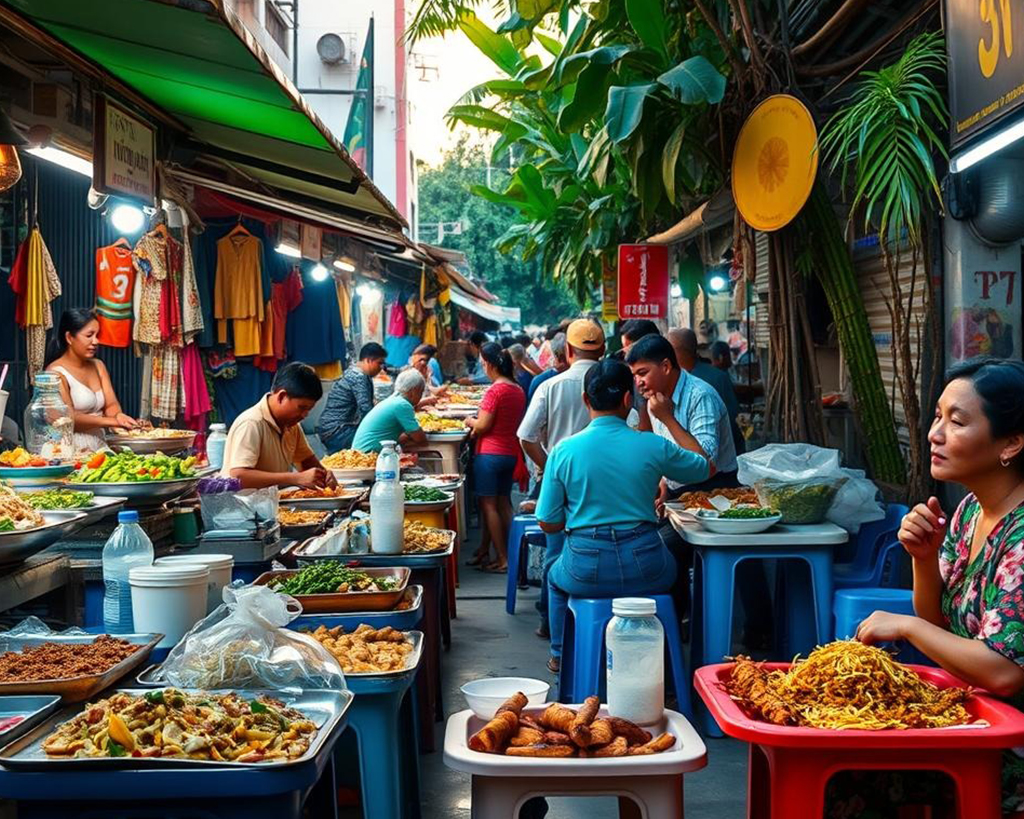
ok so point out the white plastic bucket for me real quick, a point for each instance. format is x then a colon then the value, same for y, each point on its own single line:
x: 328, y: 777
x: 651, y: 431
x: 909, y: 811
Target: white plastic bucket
x: 168, y: 600
x: 220, y: 572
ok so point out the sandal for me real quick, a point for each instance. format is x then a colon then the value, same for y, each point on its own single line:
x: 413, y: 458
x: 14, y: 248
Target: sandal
x: 476, y: 560
x: 554, y: 665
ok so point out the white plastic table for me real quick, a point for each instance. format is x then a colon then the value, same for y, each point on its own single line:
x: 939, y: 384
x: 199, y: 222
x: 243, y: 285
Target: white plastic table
x: 502, y: 784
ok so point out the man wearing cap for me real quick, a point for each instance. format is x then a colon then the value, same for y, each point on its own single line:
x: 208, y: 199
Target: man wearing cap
x: 557, y: 411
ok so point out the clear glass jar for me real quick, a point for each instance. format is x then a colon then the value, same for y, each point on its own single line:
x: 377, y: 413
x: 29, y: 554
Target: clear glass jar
x: 635, y: 661
x: 49, y: 424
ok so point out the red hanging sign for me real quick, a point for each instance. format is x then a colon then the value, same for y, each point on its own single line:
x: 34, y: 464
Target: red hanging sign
x: 643, y: 281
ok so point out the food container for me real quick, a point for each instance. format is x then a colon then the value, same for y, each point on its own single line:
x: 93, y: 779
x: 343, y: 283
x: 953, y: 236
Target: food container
x: 168, y: 599
x: 27, y: 710
x: 17, y: 545
x: 77, y: 689
x: 735, y: 526
x: 33, y: 478
x: 150, y: 444
x: 799, y: 502
x: 348, y: 601
x: 220, y: 572
x: 140, y: 494
x: 485, y: 696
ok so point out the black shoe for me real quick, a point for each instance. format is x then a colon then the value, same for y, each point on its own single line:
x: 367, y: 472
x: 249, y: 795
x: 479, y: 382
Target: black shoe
x: 543, y: 632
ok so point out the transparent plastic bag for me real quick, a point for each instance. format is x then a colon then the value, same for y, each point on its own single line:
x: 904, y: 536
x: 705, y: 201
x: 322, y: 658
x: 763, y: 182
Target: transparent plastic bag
x: 244, y: 644
x: 34, y: 627
x: 239, y: 510
x: 799, y: 501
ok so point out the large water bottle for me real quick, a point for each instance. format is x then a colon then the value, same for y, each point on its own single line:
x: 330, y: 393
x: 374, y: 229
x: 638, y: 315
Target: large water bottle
x: 215, y: 445
x: 387, y: 504
x: 127, y: 548
x: 635, y: 661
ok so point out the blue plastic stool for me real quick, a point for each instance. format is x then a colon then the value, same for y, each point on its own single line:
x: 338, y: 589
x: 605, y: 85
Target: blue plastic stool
x: 522, y: 526
x: 582, y: 673
x: 851, y: 606
x: 870, y: 551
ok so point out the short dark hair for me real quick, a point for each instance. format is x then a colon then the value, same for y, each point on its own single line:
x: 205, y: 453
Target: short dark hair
x: 720, y: 350
x: 373, y: 351
x: 636, y: 329
x: 606, y: 382
x: 552, y: 331
x: 523, y: 339
x: 298, y: 380
x: 478, y: 338
x: 655, y: 349
x: 999, y: 383
x: 428, y: 350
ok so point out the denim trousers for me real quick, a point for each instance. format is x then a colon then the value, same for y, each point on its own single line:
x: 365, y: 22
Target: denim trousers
x: 605, y: 561
x: 340, y: 440
x: 552, y: 551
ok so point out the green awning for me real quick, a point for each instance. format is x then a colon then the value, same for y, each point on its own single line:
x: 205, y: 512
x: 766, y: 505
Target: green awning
x: 195, y: 61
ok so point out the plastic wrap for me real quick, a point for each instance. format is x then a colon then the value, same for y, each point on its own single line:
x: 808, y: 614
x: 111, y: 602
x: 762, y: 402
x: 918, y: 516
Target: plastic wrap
x: 244, y: 644
x: 239, y: 510
x: 34, y: 627
x: 350, y: 537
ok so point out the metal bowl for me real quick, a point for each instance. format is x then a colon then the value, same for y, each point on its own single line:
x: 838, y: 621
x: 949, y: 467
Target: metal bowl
x: 16, y: 546
x: 142, y: 493
x: 149, y: 446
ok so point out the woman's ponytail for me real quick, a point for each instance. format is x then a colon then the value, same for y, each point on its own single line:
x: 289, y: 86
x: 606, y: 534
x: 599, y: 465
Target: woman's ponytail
x: 498, y: 358
x: 72, y: 322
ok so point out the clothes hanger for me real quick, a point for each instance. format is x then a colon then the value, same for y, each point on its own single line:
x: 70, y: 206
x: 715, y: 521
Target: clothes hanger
x: 122, y: 242
x: 239, y: 228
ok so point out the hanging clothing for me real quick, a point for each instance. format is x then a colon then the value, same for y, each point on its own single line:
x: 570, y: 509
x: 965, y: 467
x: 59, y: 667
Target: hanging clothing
x: 115, y: 285
x: 222, y: 365
x: 237, y: 290
x: 314, y: 334
x: 344, y: 305
x: 18, y: 282
x: 158, y: 261
x: 166, y: 381
x: 235, y: 395
x: 192, y: 321
x: 431, y: 333
x: 266, y: 360
x: 396, y: 321
x: 330, y: 371
x: 287, y: 296
x: 371, y: 317
x: 197, y: 397
x: 87, y: 400
x: 35, y: 283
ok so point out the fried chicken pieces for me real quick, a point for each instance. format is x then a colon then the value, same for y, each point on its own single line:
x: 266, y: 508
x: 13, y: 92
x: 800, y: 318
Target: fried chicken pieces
x: 366, y: 650
x: 560, y: 732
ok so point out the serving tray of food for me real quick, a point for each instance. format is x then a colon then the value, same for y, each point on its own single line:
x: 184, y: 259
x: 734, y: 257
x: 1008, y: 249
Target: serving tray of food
x: 302, y: 523
x: 195, y: 728
x: 330, y: 586
x: 19, y: 713
x: 371, y: 652
x: 149, y: 441
x: 324, y: 499
x: 71, y: 666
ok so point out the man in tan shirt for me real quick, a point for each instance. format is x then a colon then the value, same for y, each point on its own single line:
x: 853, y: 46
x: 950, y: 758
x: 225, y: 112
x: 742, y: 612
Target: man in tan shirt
x: 266, y: 444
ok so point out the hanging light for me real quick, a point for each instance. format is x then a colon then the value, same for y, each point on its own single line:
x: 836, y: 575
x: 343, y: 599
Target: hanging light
x: 717, y: 283
x: 127, y: 219
x: 343, y: 264
x: 10, y: 165
x: 319, y: 273
x: 65, y: 159
x: 286, y: 249
x: 676, y: 290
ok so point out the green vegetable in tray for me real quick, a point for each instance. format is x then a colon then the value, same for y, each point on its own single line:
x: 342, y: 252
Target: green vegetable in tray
x: 59, y: 499
x: 747, y: 513
x: 330, y: 577
x: 6, y: 525
x: 799, y: 501
x: 127, y: 467
x: 115, y: 748
x: 424, y: 494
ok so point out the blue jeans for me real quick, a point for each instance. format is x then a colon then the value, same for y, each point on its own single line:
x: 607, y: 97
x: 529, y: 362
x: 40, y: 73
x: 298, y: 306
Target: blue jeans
x: 342, y: 439
x: 552, y: 551
x: 607, y: 562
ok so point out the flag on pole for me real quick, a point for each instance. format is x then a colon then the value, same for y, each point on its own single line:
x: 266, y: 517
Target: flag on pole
x: 357, y: 133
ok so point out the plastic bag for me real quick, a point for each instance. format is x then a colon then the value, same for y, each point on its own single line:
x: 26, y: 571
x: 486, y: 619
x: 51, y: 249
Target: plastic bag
x: 34, y: 627
x: 810, y: 484
x: 350, y: 537
x: 239, y: 510
x: 244, y: 644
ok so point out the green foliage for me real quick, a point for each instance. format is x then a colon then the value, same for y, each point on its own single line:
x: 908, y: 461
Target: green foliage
x: 885, y: 137
x: 444, y: 196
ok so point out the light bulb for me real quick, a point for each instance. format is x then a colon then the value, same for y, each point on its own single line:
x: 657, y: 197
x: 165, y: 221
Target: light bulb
x: 344, y: 266
x: 717, y: 283
x: 676, y: 291
x: 319, y: 273
x: 127, y: 219
x: 288, y: 250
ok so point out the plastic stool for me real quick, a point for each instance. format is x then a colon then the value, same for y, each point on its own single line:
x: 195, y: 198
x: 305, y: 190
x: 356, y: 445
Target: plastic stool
x: 522, y: 525
x: 582, y: 672
x: 851, y: 606
x: 870, y: 551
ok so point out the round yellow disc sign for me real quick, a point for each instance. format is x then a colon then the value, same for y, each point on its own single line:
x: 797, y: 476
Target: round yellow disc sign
x: 775, y: 162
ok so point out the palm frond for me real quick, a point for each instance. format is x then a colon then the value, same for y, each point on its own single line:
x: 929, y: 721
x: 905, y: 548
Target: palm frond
x: 435, y: 18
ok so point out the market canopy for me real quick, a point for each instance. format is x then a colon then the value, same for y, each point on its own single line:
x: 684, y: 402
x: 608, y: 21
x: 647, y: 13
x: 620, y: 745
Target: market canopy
x: 484, y: 309
x: 195, y: 62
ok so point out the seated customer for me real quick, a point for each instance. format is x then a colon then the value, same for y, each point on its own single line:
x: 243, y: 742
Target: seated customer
x: 265, y: 443
x: 350, y: 399
x: 605, y: 503
x: 394, y: 419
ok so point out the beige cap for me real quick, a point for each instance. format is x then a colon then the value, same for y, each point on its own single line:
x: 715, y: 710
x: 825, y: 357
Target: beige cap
x: 585, y: 334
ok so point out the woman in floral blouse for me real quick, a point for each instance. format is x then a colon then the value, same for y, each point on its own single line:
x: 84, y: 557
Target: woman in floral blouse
x: 969, y: 574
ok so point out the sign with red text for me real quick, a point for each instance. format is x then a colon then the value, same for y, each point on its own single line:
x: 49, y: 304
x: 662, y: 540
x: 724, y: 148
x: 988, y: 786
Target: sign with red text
x: 124, y: 153
x: 643, y: 282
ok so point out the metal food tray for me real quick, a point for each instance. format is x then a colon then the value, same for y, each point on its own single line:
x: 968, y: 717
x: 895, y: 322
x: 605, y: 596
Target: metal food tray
x: 150, y: 446
x: 325, y: 708
x: 77, y: 689
x: 403, y: 619
x: 431, y: 506
x: 363, y: 473
x: 410, y: 559
x: 348, y: 601
x: 305, y: 530
x: 19, y: 545
x: 140, y: 493
x: 325, y: 504
x: 34, y: 709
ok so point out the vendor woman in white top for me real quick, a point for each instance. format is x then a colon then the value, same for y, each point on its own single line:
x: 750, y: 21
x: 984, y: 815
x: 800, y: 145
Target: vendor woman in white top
x: 84, y: 380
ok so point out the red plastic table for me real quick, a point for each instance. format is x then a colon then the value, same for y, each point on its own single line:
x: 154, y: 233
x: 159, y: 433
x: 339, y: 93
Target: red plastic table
x: 789, y: 766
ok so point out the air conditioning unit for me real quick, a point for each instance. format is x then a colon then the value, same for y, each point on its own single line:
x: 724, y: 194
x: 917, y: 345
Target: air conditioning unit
x: 337, y: 48
x: 380, y: 96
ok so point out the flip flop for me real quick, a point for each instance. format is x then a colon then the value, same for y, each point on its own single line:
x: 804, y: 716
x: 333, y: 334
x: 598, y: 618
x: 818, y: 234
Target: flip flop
x: 476, y: 560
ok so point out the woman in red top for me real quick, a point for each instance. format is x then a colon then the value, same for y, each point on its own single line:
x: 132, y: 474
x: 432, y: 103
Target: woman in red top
x: 497, y: 451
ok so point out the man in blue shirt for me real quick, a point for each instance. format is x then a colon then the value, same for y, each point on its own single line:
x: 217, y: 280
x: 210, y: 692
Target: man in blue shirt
x: 394, y: 418
x: 599, y: 487
x: 350, y: 399
x: 476, y: 375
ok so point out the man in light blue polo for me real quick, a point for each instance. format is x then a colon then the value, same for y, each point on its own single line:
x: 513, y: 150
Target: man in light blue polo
x: 394, y: 418
x: 599, y: 486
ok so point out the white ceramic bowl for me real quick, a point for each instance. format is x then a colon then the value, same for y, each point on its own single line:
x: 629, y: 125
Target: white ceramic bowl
x: 485, y: 696
x: 735, y: 526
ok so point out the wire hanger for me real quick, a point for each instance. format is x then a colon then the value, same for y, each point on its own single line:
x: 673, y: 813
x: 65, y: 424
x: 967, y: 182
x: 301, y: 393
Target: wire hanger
x: 239, y: 228
x: 122, y: 242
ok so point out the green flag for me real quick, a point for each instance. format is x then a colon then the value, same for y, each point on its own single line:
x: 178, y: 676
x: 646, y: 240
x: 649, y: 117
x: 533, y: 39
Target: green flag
x: 358, y: 129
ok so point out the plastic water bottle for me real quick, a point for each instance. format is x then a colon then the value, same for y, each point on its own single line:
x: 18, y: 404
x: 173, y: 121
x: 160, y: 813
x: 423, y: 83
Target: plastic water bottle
x: 127, y: 548
x: 215, y: 445
x: 387, y: 504
x: 635, y: 661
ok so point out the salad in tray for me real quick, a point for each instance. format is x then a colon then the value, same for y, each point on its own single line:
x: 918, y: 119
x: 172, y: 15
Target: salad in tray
x: 127, y: 467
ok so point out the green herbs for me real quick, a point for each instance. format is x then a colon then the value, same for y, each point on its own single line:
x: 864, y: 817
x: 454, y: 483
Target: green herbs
x: 127, y: 467
x: 424, y: 494
x: 58, y: 499
x: 154, y: 697
x: 6, y: 524
x: 330, y: 577
x: 799, y: 501
x: 258, y: 707
x: 115, y: 748
x: 747, y: 513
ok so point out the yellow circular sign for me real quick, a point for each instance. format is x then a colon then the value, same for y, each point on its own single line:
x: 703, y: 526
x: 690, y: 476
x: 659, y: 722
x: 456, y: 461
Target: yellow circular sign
x: 775, y: 162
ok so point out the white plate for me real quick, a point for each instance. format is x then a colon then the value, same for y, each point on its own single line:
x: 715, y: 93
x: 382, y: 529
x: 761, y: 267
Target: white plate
x: 735, y: 526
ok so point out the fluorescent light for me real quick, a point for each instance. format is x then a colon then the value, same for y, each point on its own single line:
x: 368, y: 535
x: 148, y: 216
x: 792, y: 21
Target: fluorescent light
x: 72, y: 162
x: 985, y: 149
x: 319, y: 273
x: 347, y: 267
x: 289, y: 250
x: 127, y: 219
x: 717, y: 283
x: 676, y: 290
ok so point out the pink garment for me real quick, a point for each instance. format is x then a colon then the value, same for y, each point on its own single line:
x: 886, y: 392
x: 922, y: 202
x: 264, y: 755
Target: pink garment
x: 197, y: 399
x: 396, y: 322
